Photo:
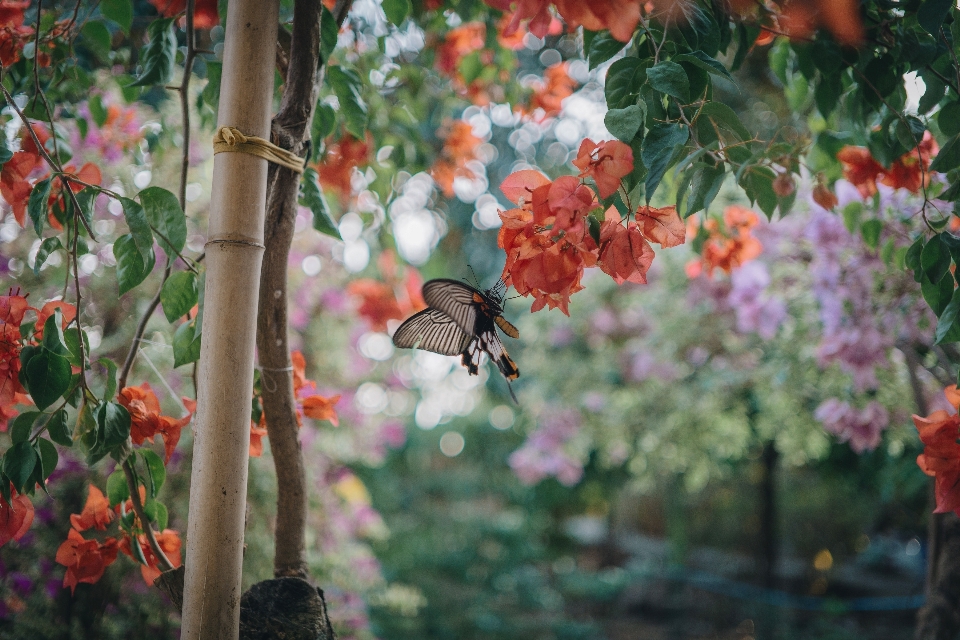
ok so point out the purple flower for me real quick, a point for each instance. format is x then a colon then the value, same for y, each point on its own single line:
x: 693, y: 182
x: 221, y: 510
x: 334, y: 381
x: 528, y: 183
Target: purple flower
x: 861, y: 428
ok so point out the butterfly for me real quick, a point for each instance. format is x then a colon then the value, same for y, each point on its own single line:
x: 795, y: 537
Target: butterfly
x: 461, y: 320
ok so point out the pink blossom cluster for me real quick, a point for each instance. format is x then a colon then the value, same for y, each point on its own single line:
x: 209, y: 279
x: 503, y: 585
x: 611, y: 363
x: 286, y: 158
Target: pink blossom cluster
x: 844, y: 272
x: 115, y: 140
x: 860, y: 427
x: 757, y: 311
x: 544, y: 452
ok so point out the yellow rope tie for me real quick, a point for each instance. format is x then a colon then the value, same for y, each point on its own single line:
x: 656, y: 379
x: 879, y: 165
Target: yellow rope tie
x: 231, y: 139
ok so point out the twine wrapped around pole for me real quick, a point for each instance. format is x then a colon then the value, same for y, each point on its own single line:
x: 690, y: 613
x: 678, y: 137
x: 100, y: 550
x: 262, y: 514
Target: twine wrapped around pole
x: 229, y: 139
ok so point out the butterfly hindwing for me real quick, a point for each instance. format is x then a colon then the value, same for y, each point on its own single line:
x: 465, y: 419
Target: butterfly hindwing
x: 432, y: 330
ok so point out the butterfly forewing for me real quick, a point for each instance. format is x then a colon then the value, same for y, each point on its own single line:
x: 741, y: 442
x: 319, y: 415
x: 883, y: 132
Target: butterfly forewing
x: 432, y: 330
x: 456, y: 299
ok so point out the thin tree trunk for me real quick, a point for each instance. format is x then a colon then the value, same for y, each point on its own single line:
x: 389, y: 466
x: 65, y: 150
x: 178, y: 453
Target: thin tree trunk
x: 211, y: 607
x: 291, y: 130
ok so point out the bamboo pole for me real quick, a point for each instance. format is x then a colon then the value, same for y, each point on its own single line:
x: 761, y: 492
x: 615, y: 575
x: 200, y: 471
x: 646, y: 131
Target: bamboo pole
x: 211, y: 606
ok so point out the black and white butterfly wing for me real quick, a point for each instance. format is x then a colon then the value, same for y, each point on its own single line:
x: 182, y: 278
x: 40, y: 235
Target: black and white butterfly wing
x: 489, y: 342
x: 456, y: 299
x: 432, y: 330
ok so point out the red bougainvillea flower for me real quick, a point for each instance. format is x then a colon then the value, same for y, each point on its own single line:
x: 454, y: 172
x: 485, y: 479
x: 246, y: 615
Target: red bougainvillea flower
x: 860, y: 169
x: 89, y: 174
x: 459, y: 43
x: 910, y: 171
x: 625, y: 255
x: 205, y: 14
x: 377, y: 302
x: 619, y: 16
x: 394, y: 299
x: 12, y: 309
x: 728, y: 249
x: 312, y: 404
x: 549, y: 94
x: 546, y: 238
x: 169, y: 542
x: 321, y: 408
x: 606, y: 162
x: 68, y: 313
x: 459, y: 148
x: 13, y: 34
x: 145, y: 419
x: 14, y: 185
x: 341, y: 158
x: 96, y: 512
x: 662, y: 226
x: 257, y: 434
x: 16, y: 517
x: 85, y: 560
x: 939, y: 433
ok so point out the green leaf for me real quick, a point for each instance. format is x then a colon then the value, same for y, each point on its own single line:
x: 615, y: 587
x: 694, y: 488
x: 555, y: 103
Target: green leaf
x: 706, y: 183
x: 931, y: 15
x: 870, y: 230
x: 758, y: 185
x: 18, y: 464
x: 328, y: 34
x: 131, y: 269
x: 324, y: 121
x: 178, y: 295
x: 48, y: 457
x: 158, y: 56
x: 186, y: 344
x: 120, y: 11
x: 57, y: 429
x: 346, y: 85
x: 602, y: 47
x: 166, y: 217
x: 155, y: 469
x: 117, y: 488
x: 38, y: 204
x: 624, y: 123
x: 397, y: 10
x: 659, y: 147
x: 669, y: 78
x: 22, y: 426
x: 211, y: 90
x: 96, y: 37
x: 311, y: 196
x: 935, y: 258
x: 5, y: 152
x: 53, y: 340
x: 948, y: 327
x: 49, y: 378
x: 110, y: 384
x: 47, y: 247
x: 725, y: 118
x: 937, y: 294
x: 114, y: 423
x: 624, y: 79
x: 947, y: 159
x: 140, y: 231
x: 949, y: 119
x: 705, y: 62
x: 593, y: 225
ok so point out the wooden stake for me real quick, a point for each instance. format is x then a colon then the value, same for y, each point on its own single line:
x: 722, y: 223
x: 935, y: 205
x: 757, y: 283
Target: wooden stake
x: 218, y: 493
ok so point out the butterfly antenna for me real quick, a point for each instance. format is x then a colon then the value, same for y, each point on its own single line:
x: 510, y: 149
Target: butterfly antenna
x: 476, y: 282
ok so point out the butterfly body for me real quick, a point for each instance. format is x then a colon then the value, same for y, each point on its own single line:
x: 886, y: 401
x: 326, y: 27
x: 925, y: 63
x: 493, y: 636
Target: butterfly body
x: 461, y: 320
